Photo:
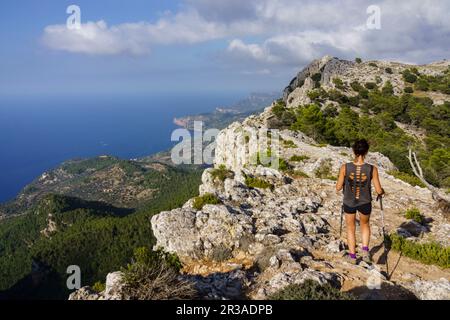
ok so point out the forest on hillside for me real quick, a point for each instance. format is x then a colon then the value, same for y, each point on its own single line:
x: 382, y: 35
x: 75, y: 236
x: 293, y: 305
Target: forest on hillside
x: 95, y: 236
x: 375, y: 113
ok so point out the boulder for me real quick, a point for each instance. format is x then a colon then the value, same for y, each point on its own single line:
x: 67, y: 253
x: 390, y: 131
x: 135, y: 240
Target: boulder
x: 432, y: 290
x: 114, y: 286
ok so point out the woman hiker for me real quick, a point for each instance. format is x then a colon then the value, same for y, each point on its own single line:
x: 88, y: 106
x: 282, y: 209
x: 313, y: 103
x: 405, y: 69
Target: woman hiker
x: 356, y: 178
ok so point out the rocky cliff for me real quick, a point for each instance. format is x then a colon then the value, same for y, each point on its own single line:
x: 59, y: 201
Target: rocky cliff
x: 272, y: 227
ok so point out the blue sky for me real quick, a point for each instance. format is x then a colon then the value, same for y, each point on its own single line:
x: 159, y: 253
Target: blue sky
x: 191, y: 46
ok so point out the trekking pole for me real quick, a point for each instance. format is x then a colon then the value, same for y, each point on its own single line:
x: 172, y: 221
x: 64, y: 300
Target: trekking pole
x: 380, y: 198
x: 342, y: 215
x: 385, y: 240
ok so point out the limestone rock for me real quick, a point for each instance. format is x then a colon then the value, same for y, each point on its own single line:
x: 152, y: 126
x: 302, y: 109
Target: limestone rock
x: 335, y: 246
x: 85, y: 293
x: 283, y: 279
x: 114, y: 286
x: 432, y: 290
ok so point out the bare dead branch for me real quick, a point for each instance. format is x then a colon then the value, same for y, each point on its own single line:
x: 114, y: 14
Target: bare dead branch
x: 437, y: 194
x: 418, y: 165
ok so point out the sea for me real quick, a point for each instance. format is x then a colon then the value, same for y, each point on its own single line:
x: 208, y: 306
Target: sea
x: 39, y: 133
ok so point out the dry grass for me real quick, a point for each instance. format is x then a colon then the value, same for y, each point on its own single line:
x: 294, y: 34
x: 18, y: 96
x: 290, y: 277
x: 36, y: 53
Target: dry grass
x: 154, y: 275
x: 159, y: 282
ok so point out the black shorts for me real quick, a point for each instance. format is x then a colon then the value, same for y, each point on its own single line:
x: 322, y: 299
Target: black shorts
x: 364, y: 209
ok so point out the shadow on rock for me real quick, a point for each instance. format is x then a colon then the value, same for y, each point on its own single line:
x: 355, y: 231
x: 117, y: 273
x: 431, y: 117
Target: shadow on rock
x: 386, y: 292
x: 220, y: 285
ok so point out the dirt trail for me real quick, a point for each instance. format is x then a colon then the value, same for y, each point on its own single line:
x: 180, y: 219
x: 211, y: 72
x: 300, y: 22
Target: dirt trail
x: 398, y: 268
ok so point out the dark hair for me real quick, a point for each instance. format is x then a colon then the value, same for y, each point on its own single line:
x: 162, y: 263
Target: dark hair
x: 360, y: 147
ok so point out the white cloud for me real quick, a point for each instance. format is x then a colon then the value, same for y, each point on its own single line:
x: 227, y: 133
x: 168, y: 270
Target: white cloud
x: 134, y: 38
x: 92, y: 38
x: 416, y: 31
x: 288, y: 32
x: 253, y: 51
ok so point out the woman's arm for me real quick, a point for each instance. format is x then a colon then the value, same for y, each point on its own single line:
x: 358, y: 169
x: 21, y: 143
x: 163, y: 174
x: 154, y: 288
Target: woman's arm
x: 376, y: 181
x: 340, y: 181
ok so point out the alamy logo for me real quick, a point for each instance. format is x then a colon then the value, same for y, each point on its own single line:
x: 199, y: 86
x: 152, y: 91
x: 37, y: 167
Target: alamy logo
x: 374, y: 19
x: 74, y: 20
x: 374, y: 280
x: 74, y: 279
x: 242, y: 147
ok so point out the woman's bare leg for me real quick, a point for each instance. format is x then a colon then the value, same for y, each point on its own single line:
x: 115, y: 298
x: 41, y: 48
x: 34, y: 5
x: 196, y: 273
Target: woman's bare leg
x: 351, y: 241
x: 365, y: 229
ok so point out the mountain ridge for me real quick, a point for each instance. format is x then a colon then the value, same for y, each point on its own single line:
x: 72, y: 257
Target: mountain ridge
x: 257, y: 230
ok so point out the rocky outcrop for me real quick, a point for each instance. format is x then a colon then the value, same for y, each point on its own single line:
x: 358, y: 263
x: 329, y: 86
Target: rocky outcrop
x: 324, y: 70
x: 432, y: 290
x: 113, y: 290
x: 51, y: 227
x: 315, y: 67
x: 258, y: 217
x: 272, y: 226
x: 235, y: 151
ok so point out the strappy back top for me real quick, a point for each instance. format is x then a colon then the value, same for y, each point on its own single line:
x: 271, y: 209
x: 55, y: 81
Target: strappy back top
x: 357, y: 184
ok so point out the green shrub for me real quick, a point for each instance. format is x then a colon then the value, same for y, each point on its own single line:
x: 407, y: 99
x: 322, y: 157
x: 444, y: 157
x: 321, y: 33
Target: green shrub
x: 387, y: 89
x: 310, y: 290
x: 373, y: 64
x: 99, y: 286
x: 324, y: 171
x: 364, y: 94
x: 408, y: 178
x: 264, y: 158
x: 207, y: 198
x: 297, y: 158
x: 221, y: 173
x: 339, y: 83
x: 371, y: 85
x: 298, y: 174
x: 330, y: 111
x: 316, y: 77
x: 279, y: 107
x: 415, y: 71
x: 389, y: 70
x: 358, y: 60
x: 283, y: 165
x: 284, y: 115
x: 152, y: 277
x: 428, y: 253
x: 409, y: 90
x: 336, y: 95
x: 289, y: 144
x: 356, y: 86
x: 422, y: 85
x: 414, y: 214
x: 271, y: 160
x: 254, y: 182
x: 317, y: 94
x: 409, y: 77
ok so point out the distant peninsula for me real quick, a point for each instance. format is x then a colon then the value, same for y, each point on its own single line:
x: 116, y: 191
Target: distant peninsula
x: 223, y: 116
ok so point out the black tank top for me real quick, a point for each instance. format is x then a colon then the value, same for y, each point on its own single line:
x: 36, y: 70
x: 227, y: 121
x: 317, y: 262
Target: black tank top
x: 357, y: 184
